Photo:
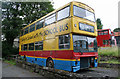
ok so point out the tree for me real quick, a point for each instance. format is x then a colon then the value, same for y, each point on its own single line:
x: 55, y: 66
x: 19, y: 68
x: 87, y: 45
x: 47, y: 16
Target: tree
x: 99, y: 24
x: 15, y: 14
x: 33, y: 11
x: 116, y: 30
x: 11, y: 21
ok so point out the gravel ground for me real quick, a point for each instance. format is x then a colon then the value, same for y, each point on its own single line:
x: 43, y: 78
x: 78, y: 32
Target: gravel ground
x: 0, y: 68
x: 14, y: 71
x: 100, y: 72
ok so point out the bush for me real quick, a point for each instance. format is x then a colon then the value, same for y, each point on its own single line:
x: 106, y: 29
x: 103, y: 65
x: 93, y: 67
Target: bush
x: 8, y: 50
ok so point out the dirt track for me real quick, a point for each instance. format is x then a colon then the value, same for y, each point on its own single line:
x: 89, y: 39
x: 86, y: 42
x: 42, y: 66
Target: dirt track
x: 14, y: 71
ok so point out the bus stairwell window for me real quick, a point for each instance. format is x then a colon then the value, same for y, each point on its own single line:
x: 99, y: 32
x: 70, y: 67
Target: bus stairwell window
x: 64, y: 42
x: 39, y: 45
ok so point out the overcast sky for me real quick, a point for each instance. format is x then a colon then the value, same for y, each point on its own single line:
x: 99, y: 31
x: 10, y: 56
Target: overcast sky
x: 106, y: 10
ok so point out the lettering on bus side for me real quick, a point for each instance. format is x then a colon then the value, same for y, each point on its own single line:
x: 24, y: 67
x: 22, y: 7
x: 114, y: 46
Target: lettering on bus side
x: 48, y: 31
x: 51, y: 31
x: 63, y: 28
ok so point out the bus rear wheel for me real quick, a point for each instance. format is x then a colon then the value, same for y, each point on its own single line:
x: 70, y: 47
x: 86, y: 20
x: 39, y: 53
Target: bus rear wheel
x: 50, y: 63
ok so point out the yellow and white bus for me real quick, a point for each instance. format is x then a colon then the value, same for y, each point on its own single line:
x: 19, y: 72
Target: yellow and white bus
x: 63, y: 39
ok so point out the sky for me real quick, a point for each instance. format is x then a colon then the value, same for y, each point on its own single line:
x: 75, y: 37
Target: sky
x: 106, y: 10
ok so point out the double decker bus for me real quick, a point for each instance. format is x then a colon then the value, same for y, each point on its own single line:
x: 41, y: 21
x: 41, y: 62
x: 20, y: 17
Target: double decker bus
x: 105, y: 38
x: 63, y: 39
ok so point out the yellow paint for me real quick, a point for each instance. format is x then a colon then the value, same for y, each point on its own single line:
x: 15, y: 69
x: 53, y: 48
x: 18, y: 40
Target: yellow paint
x: 76, y: 21
x: 82, y: 5
x: 50, y: 34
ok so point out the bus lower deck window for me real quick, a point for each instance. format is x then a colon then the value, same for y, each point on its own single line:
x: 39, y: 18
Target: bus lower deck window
x: 39, y: 46
x: 31, y: 46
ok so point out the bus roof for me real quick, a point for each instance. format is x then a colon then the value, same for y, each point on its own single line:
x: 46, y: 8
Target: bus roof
x: 74, y: 2
x: 102, y: 29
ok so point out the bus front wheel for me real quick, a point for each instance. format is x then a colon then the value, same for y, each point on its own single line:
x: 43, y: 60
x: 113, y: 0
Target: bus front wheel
x: 50, y: 63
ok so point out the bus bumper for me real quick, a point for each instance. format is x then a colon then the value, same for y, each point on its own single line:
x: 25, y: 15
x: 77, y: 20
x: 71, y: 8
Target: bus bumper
x: 75, y: 68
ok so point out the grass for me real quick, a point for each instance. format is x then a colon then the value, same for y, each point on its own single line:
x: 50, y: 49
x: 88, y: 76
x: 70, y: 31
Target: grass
x: 12, y: 62
x: 110, y: 61
x: 109, y: 51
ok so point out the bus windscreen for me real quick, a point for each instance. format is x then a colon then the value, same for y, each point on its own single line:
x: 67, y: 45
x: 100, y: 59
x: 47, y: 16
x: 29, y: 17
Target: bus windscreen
x: 84, y: 43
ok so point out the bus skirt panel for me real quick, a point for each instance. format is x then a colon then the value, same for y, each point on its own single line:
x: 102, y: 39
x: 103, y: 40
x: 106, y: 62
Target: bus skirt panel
x: 67, y: 65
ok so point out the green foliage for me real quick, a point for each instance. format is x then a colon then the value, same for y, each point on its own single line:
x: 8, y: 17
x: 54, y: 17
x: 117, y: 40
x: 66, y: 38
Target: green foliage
x: 17, y: 14
x: 12, y: 62
x: 113, y: 61
x: 34, y: 10
x: 11, y: 21
x: 99, y: 24
x: 8, y: 50
x: 116, y: 30
x: 109, y: 51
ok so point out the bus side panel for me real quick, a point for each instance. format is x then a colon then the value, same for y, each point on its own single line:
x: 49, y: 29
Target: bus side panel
x: 50, y: 44
x: 63, y: 26
x: 63, y: 60
x: 63, y: 65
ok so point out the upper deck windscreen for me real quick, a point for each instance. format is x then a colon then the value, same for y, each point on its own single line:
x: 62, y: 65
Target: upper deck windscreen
x: 83, y: 13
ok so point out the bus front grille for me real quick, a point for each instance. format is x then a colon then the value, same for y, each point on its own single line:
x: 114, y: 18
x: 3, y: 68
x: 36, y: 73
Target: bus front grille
x: 84, y: 62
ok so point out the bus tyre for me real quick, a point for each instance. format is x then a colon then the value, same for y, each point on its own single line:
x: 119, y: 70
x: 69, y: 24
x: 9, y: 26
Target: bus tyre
x: 50, y: 63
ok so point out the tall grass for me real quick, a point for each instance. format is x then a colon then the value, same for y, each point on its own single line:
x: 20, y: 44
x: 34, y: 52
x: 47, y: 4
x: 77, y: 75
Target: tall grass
x: 109, y: 51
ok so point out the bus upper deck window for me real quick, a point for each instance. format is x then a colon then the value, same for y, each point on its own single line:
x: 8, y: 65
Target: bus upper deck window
x: 32, y: 27
x: 64, y: 13
x: 50, y: 19
x: 39, y: 24
x: 26, y: 30
x: 83, y: 13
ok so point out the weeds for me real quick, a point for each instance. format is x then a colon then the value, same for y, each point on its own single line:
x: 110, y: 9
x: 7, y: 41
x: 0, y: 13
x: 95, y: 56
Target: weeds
x: 111, y: 61
x: 109, y: 51
x: 12, y: 62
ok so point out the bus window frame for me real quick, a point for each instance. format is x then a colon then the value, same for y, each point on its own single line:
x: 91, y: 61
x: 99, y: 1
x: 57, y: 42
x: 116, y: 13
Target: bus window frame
x: 82, y: 17
x: 62, y: 9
